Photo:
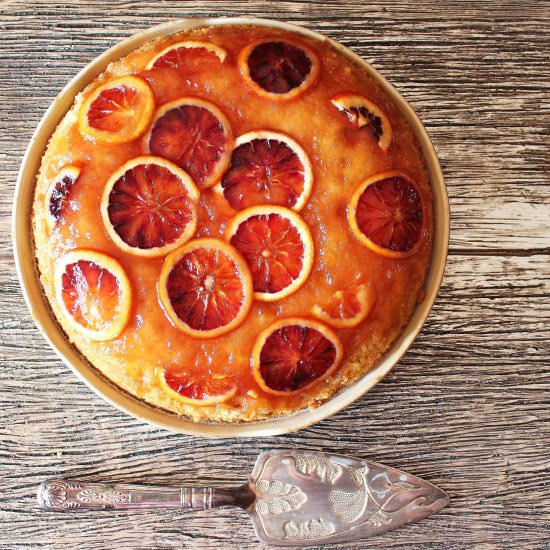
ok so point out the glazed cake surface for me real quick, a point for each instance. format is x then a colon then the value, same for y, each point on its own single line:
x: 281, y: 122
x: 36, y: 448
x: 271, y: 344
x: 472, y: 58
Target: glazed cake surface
x: 152, y: 342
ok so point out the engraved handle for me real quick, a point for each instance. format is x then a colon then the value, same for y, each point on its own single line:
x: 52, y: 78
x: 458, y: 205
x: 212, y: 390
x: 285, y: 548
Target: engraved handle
x: 61, y: 495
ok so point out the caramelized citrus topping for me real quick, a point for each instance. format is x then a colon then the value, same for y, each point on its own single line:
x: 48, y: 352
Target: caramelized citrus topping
x: 93, y: 293
x: 198, y: 389
x: 213, y: 229
x: 189, y: 57
x: 348, y: 307
x: 118, y: 111
x: 59, y: 191
x: 277, y: 246
x: 366, y: 115
x: 195, y: 135
x: 386, y: 215
x: 267, y: 168
x: 292, y: 355
x: 277, y: 69
x: 149, y: 206
x: 205, y: 288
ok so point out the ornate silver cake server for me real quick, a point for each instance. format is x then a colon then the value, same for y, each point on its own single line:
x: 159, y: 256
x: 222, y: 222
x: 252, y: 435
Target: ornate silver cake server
x: 293, y: 497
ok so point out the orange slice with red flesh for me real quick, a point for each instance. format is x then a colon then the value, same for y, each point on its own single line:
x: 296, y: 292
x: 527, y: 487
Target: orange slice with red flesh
x: 386, y: 214
x: 94, y: 293
x: 189, y: 56
x: 205, y: 288
x: 292, y: 355
x: 366, y: 115
x: 118, y: 111
x: 194, y: 134
x: 278, y: 69
x: 58, y: 193
x: 277, y: 246
x: 149, y: 206
x: 194, y: 389
x: 267, y: 168
x: 348, y: 308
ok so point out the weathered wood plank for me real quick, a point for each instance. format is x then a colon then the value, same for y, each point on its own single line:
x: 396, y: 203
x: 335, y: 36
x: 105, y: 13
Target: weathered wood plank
x: 466, y: 408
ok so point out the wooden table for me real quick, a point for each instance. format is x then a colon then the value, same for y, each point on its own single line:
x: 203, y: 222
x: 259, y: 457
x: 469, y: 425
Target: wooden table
x: 467, y: 407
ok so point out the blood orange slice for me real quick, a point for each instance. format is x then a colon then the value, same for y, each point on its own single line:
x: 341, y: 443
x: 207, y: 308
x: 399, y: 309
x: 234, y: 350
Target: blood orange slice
x: 58, y: 193
x: 195, y: 135
x: 386, y: 214
x: 94, y: 293
x: 348, y: 307
x: 364, y: 114
x: 149, y: 206
x: 198, y: 389
x: 292, y: 355
x: 205, y: 288
x: 189, y: 56
x: 277, y: 246
x: 268, y: 168
x: 118, y: 111
x: 278, y: 69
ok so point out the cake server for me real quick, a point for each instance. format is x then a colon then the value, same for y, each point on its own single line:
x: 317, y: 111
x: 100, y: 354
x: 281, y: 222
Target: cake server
x: 295, y: 498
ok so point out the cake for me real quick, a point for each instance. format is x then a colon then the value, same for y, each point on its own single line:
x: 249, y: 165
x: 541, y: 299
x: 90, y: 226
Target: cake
x: 233, y: 223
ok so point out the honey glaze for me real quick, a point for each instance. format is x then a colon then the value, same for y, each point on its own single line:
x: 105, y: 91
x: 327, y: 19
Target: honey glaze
x: 342, y: 157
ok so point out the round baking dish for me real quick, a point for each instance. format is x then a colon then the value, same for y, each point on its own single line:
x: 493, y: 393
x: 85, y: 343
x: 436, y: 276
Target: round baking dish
x: 45, y: 320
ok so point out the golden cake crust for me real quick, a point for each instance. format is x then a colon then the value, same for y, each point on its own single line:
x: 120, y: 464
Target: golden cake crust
x: 341, y: 160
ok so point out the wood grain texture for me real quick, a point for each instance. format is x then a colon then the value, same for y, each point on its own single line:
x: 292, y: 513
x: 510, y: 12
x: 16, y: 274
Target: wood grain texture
x: 466, y: 408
